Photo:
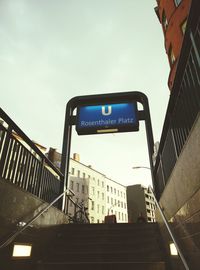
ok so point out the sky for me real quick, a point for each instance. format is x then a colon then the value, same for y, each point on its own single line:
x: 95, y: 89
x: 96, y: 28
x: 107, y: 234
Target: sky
x: 53, y: 50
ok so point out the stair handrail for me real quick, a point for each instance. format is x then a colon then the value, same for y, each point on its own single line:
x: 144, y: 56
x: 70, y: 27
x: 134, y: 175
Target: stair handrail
x: 169, y: 230
x: 18, y: 130
x: 21, y: 229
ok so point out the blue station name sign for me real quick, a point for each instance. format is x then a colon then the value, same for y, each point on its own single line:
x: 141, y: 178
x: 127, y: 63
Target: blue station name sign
x: 107, y: 118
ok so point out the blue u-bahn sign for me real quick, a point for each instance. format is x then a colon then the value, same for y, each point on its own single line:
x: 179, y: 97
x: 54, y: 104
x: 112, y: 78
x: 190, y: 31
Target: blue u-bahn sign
x: 108, y: 118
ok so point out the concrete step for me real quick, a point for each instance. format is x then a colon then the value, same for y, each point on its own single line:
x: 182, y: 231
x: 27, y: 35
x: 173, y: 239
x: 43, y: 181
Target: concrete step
x: 99, y: 233
x: 81, y: 231
x: 104, y: 227
x: 106, y: 247
x: 109, y: 238
x: 18, y: 265
x: 140, y: 265
x: 103, y: 257
x: 111, y: 246
x: 80, y: 228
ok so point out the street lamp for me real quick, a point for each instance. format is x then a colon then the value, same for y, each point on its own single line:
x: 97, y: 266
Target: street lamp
x: 141, y: 167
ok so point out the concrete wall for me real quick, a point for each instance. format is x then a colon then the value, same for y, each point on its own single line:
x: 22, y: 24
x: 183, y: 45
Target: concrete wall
x: 181, y: 200
x: 17, y: 205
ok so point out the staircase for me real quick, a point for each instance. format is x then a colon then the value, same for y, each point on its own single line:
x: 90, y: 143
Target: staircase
x: 93, y: 246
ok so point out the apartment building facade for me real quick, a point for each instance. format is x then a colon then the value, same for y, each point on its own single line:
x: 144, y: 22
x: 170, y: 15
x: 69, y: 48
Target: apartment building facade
x: 100, y: 194
x: 140, y: 201
x: 116, y: 200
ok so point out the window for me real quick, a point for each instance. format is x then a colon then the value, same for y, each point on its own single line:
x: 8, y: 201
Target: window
x: 102, y: 184
x: 177, y: 2
x: 108, y: 199
x: 111, y: 189
x: 98, y: 182
x: 107, y: 188
x: 77, y: 187
x: 114, y: 190
x: 183, y: 26
x: 111, y: 200
x: 98, y: 194
x: 92, y: 219
x: 78, y: 173
x: 83, y: 175
x: 172, y: 58
x: 97, y: 208
x: 102, y: 209
x: 72, y: 171
x: 71, y: 184
x: 92, y: 206
x: 83, y: 189
x: 164, y: 20
x: 93, y: 191
x: 102, y: 196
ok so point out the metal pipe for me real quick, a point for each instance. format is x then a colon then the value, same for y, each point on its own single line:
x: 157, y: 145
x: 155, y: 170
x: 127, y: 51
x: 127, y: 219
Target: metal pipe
x: 13, y: 236
x: 170, y: 231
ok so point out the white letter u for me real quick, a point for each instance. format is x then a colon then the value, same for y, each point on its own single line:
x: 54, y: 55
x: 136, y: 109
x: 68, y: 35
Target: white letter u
x: 109, y: 111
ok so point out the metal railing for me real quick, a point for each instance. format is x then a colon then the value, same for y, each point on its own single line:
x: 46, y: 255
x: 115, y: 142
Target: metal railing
x: 184, y: 104
x: 23, y: 164
x: 34, y: 218
x: 182, y: 257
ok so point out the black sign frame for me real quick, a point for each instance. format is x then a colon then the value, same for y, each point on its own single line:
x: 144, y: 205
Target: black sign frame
x: 120, y: 97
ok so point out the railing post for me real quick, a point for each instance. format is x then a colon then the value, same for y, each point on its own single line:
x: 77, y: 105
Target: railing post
x: 195, y: 48
x: 39, y: 181
x: 5, y: 149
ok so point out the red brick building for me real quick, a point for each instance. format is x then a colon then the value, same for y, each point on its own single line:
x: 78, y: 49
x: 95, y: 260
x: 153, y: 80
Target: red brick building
x: 173, y: 15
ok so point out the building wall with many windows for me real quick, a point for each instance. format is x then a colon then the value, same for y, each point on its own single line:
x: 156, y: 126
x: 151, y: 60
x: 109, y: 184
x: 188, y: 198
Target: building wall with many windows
x: 90, y: 189
x: 101, y: 195
x: 116, y: 203
x: 140, y: 201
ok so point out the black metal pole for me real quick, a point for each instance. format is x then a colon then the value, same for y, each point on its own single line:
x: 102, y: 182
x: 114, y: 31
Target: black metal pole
x: 103, y: 99
x: 149, y: 132
x: 66, y: 150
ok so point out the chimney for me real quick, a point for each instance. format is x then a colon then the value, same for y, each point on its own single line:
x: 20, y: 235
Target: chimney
x: 51, y: 154
x: 76, y: 157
